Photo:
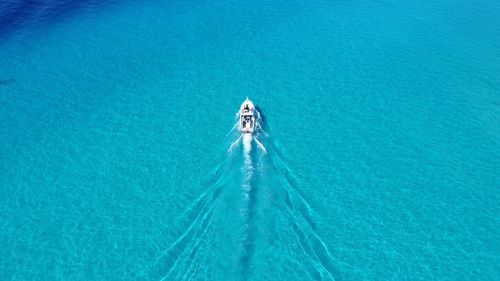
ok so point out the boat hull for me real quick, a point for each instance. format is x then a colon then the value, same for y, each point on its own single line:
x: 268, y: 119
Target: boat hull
x: 247, y: 118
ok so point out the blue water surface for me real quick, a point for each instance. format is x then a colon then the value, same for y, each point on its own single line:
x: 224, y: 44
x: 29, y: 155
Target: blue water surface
x: 379, y: 158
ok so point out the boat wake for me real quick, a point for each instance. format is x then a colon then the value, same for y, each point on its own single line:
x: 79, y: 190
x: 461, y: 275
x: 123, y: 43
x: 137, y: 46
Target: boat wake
x: 249, y: 221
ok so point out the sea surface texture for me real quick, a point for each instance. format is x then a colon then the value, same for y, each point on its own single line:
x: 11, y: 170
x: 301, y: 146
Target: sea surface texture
x: 377, y: 155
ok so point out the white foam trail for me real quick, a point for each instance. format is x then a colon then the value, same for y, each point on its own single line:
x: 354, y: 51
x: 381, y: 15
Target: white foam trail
x: 261, y: 146
x: 234, y: 144
x: 261, y: 130
x: 247, y: 141
x: 232, y: 129
x: 248, y: 166
x: 247, y: 148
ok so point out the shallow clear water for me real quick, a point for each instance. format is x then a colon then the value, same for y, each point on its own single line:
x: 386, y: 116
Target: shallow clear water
x: 381, y: 160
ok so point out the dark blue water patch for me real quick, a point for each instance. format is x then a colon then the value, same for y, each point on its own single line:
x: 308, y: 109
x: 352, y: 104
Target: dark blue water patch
x: 6, y: 82
x: 16, y: 15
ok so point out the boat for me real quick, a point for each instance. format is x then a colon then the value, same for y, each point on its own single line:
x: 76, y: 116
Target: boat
x: 247, y: 118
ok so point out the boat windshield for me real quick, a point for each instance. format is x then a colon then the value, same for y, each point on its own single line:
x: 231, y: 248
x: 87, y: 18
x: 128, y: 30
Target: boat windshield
x: 247, y: 119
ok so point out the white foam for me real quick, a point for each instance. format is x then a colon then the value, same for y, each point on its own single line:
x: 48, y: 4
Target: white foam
x: 234, y: 144
x: 247, y: 148
x: 261, y: 146
x: 247, y: 142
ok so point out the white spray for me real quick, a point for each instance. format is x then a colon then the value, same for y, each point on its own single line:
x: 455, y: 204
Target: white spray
x: 248, y: 166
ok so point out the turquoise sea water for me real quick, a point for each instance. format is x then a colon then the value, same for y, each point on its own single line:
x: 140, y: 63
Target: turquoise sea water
x: 379, y: 161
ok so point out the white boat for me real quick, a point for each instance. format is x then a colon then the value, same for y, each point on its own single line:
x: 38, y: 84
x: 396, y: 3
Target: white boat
x: 247, y: 118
